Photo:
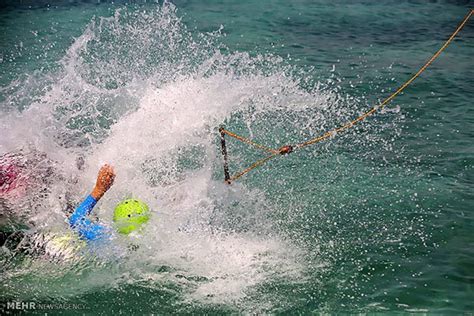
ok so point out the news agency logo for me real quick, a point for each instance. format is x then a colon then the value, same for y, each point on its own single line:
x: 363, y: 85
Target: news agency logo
x: 20, y: 305
x: 25, y: 306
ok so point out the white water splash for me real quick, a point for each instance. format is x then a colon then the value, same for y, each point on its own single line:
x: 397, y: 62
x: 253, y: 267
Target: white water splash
x: 155, y: 120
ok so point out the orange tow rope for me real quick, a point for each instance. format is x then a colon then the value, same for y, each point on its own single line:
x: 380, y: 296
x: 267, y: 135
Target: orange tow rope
x: 291, y: 148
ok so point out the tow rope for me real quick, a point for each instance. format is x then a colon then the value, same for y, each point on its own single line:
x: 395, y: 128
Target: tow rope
x: 285, y: 150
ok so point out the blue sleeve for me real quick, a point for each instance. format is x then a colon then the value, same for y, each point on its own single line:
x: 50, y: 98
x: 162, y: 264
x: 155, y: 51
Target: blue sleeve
x: 82, y: 210
x: 84, y: 226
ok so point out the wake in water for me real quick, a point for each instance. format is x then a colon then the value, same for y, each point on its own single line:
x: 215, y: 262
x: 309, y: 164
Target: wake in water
x: 139, y: 91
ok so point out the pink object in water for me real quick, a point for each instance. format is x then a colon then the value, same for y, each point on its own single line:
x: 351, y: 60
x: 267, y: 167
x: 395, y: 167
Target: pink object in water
x: 13, y: 181
x: 8, y: 177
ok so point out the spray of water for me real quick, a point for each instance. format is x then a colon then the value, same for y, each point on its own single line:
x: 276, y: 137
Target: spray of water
x: 139, y: 91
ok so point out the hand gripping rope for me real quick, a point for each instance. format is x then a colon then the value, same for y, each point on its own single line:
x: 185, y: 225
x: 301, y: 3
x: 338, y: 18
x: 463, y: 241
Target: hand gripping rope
x: 285, y: 150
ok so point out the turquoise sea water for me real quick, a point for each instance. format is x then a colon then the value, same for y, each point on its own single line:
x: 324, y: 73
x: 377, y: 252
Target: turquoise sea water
x: 379, y: 219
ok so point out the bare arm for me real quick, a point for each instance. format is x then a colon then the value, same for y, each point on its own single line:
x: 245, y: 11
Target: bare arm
x: 105, y: 179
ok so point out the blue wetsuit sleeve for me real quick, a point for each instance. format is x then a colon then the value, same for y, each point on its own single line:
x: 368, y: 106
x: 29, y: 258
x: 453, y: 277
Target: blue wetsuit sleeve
x: 82, y: 210
x: 84, y: 226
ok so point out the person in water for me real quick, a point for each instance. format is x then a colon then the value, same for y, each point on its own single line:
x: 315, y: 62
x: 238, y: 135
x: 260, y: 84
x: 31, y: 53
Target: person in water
x: 129, y: 215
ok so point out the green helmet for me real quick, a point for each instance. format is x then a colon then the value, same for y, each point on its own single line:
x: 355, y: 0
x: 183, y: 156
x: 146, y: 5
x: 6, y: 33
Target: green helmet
x: 130, y: 215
